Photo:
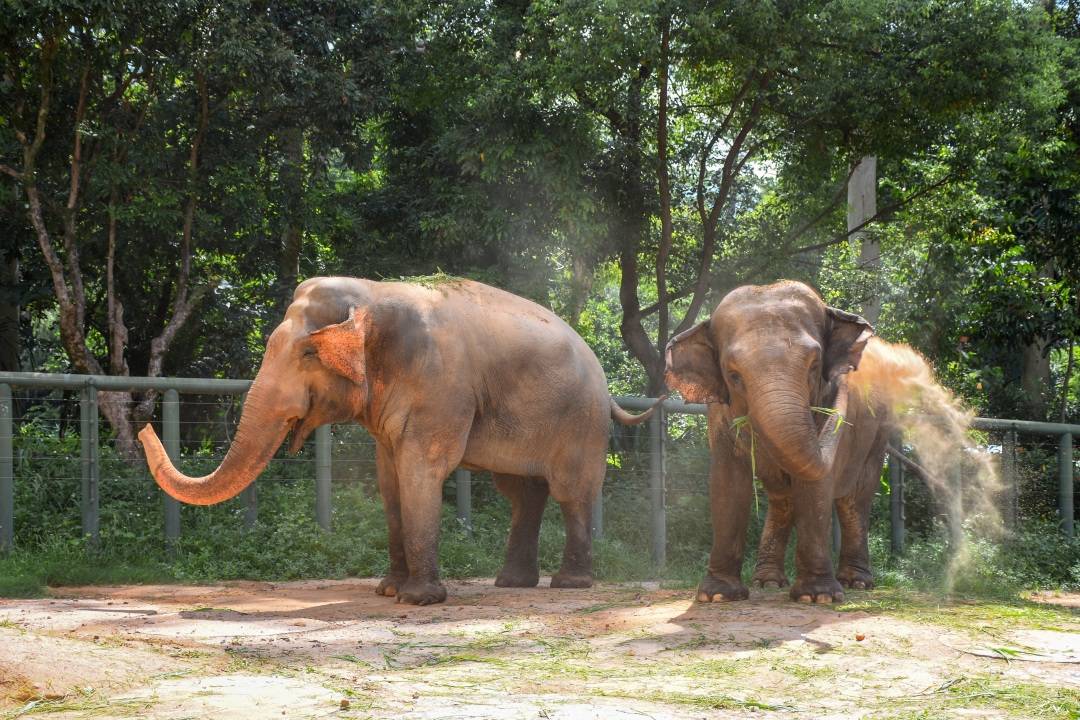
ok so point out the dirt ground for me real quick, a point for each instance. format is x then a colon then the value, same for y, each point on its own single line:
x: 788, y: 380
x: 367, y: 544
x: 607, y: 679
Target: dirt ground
x: 334, y: 649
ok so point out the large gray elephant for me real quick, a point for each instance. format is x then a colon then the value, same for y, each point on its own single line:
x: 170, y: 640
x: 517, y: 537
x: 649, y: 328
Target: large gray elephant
x: 775, y: 365
x: 452, y: 374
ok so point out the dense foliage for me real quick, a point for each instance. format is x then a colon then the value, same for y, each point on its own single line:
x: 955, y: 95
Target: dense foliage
x: 625, y: 163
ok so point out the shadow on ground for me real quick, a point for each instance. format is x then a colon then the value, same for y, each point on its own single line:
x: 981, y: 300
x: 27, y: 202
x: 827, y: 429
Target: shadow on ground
x: 335, y: 649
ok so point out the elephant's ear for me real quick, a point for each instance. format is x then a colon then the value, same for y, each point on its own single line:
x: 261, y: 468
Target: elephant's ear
x: 692, y: 367
x: 847, y: 336
x: 341, y: 347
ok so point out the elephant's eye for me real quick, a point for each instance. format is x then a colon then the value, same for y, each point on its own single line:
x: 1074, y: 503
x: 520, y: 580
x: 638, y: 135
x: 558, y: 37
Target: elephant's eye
x: 309, y: 352
x: 736, y: 378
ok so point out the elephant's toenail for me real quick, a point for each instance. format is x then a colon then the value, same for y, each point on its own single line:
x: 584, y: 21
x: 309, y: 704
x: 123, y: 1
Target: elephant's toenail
x: 805, y: 599
x: 824, y: 598
x: 703, y: 597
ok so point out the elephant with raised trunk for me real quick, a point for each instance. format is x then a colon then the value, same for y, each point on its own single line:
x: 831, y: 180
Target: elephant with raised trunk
x: 451, y: 374
x: 780, y: 371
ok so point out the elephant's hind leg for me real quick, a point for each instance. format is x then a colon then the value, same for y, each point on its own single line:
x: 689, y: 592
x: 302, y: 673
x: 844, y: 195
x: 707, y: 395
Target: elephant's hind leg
x: 576, y: 497
x: 853, y: 511
x: 527, y: 499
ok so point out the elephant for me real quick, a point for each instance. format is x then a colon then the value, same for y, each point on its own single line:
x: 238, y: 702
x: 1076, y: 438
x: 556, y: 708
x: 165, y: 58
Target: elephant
x: 447, y: 374
x: 789, y: 402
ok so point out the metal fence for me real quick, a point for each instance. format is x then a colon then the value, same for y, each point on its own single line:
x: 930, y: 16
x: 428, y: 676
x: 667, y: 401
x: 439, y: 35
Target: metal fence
x: 658, y: 481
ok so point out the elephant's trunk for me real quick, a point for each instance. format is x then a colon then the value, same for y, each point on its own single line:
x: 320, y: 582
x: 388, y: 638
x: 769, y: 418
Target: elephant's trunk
x: 258, y: 437
x: 780, y: 412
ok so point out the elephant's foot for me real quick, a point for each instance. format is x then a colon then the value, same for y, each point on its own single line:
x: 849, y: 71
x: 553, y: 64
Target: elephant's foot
x: 721, y: 589
x: 564, y: 579
x: 421, y: 592
x: 769, y: 576
x: 854, y: 577
x: 390, y: 584
x: 823, y: 590
x: 517, y: 577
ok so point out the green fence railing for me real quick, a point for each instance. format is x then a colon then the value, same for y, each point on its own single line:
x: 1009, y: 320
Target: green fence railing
x: 172, y: 388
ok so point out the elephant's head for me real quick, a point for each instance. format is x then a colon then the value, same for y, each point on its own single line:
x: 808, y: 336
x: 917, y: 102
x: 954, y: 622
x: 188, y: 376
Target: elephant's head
x: 315, y: 371
x: 773, y: 353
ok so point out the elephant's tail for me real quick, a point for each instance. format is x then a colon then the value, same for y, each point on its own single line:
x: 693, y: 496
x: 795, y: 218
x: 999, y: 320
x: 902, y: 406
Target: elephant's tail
x: 625, y: 418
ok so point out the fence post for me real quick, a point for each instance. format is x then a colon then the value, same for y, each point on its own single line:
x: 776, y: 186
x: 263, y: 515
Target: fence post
x: 1008, y: 476
x: 7, y: 470
x: 657, y: 431
x: 322, y: 476
x: 170, y: 431
x: 463, y: 492
x: 896, y: 499
x: 1065, y: 482
x: 88, y: 439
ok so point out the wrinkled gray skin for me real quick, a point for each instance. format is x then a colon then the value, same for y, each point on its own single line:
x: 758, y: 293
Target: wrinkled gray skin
x: 456, y: 374
x: 770, y: 354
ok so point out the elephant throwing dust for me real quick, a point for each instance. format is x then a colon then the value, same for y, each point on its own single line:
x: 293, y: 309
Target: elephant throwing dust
x: 802, y: 395
x: 454, y: 374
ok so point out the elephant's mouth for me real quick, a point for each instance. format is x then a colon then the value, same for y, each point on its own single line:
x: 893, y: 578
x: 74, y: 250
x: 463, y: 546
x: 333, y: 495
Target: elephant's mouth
x: 299, y: 430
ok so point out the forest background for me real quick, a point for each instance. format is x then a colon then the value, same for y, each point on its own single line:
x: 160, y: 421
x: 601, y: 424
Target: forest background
x: 170, y: 171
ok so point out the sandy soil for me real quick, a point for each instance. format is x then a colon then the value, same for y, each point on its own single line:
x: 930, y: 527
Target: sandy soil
x: 335, y: 649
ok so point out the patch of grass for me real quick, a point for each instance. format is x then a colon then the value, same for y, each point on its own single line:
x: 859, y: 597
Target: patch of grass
x: 20, y: 586
x: 803, y: 673
x: 705, y: 701
x: 433, y: 280
x: 86, y: 702
x: 1046, y: 702
x: 967, y: 613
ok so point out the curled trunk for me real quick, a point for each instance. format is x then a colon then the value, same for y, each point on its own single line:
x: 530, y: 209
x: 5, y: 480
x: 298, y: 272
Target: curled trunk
x: 782, y: 415
x: 257, y: 439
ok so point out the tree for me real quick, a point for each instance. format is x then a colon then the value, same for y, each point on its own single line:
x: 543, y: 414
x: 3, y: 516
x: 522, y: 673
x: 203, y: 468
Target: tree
x: 129, y: 121
x: 749, y: 92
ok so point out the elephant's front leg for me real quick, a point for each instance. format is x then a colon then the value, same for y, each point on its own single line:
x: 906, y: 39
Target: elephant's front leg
x: 772, y: 550
x: 420, y: 480
x: 388, y: 489
x: 814, y: 578
x: 730, y: 490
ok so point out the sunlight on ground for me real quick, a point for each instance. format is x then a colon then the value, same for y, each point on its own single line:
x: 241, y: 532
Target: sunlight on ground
x: 335, y: 649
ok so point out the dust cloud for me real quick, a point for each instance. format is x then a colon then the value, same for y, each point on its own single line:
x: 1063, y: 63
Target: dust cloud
x: 962, y: 476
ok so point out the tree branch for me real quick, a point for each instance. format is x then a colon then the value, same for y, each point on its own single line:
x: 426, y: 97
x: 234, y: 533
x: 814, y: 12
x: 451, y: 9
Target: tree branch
x: 880, y: 215
x: 729, y: 172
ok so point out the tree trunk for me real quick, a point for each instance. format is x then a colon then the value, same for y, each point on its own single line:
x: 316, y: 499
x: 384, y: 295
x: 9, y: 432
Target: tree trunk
x: 630, y: 230
x: 9, y: 310
x: 664, y: 187
x: 862, y: 205
x: 292, y: 231
x: 1035, y: 377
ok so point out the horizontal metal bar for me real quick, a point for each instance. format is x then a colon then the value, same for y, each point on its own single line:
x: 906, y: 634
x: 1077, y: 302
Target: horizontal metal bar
x: 979, y: 423
x: 221, y: 386
x: 209, y: 386
x: 1025, y: 426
